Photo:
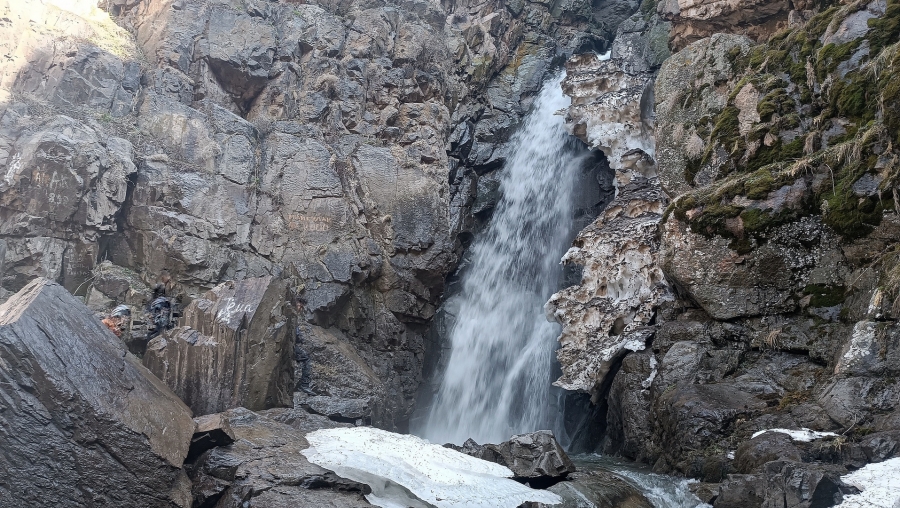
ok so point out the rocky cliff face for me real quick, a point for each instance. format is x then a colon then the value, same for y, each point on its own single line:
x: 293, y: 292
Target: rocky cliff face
x: 337, y: 145
x: 776, y: 167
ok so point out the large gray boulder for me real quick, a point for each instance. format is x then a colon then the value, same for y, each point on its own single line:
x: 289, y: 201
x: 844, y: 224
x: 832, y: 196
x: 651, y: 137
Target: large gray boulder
x: 82, y: 423
x: 234, y: 350
x: 535, y: 458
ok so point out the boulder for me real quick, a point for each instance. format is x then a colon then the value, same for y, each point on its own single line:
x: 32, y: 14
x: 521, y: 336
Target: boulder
x: 766, y: 447
x: 339, y: 409
x: 234, y: 349
x: 83, y: 422
x: 535, y: 458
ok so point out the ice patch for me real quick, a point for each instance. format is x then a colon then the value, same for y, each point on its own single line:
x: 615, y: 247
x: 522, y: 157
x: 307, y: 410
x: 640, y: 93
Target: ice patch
x: 406, y: 471
x: 647, y: 383
x: 803, y: 435
x: 879, y: 483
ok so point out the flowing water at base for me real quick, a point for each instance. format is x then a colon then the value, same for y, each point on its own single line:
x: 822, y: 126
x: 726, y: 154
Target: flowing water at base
x: 497, y: 380
x: 661, y: 490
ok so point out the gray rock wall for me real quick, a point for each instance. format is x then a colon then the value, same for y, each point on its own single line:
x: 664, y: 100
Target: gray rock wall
x: 337, y: 145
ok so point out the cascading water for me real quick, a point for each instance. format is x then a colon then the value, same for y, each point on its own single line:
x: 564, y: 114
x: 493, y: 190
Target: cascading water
x: 498, y: 378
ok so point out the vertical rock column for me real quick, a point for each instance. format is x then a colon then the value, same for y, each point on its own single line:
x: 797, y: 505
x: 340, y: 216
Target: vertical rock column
x: 234, y: 349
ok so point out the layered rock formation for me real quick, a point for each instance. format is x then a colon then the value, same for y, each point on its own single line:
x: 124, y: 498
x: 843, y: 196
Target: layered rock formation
x: 83, y: 422
x: 235, y: 349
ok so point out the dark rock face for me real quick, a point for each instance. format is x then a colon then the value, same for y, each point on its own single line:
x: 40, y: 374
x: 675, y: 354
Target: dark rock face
x: 264, y: 468
x: 234, y: 349
x: 84, y: 424
x: 790, y: 483
x: 535, y: 458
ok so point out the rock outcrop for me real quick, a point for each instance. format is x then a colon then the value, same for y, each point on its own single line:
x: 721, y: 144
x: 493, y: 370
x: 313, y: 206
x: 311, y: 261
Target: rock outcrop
x: 84, y: 423
x: 235, y: 349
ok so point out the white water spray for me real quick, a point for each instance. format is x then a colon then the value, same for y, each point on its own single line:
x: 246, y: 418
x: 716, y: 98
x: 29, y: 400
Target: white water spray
x: 497, y: 381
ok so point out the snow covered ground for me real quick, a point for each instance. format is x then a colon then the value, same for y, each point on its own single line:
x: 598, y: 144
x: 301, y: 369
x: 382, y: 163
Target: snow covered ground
x: 406, y: 471
x: 804, y: 435
x: 879, y: 483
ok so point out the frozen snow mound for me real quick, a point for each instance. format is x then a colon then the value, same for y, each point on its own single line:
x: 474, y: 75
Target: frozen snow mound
x: 407, y: 471
x: 879, y: 483
x: 803, y: 435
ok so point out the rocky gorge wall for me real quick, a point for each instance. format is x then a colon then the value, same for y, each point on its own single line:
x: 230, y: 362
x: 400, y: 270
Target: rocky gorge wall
x: 340, y: 146
x: 744, y: 278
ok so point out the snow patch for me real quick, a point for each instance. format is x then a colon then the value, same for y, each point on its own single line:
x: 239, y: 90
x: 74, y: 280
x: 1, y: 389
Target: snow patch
x: 407, y: 471
x: 879, y: 483
x: 647, y: 383
x: 804, y: 435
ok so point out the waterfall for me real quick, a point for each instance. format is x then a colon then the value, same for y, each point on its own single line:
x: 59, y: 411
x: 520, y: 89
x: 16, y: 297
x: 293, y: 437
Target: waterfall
x: 498, y: 378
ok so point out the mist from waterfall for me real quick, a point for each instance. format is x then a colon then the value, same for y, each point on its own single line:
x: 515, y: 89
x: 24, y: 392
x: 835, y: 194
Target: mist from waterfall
x: 498, y: 378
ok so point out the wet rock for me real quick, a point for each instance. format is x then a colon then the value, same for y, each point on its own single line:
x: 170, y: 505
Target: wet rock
x: 766, y: 447
x: 598, y: 489
x: 785, y: 483
x: 692, y: 417
x: 536, y: 458
x: 264, y: 467
x: 629, y: 404
x: 85, y: 422
x: 234, y: 349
